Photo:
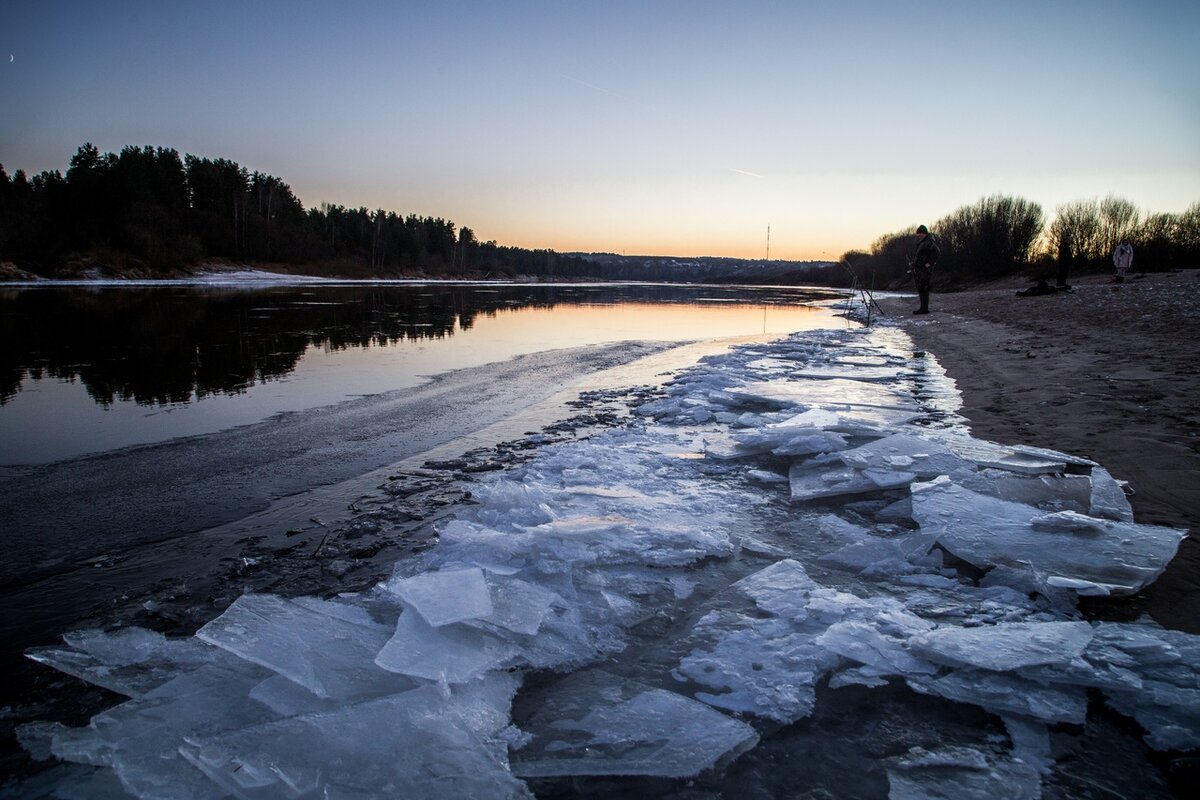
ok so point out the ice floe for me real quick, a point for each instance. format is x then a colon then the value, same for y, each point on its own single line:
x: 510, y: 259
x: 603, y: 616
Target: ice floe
x: 786, y: 520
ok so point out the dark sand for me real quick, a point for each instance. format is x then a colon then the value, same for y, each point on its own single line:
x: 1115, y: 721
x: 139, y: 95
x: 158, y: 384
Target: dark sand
x: 1110, y: 372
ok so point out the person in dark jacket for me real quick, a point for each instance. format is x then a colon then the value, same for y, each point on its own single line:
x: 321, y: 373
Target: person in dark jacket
x: 922, y: 266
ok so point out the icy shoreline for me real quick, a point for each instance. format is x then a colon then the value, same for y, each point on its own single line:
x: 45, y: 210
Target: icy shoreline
x: 788, y: 519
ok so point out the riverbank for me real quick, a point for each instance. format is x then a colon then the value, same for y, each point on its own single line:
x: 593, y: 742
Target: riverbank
x: 1106, y: 371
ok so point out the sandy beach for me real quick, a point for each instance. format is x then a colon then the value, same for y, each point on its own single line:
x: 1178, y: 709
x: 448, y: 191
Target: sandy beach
x: 1106, y: 371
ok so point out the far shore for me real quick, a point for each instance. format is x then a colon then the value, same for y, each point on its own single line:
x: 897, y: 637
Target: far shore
x: 1107, y: 371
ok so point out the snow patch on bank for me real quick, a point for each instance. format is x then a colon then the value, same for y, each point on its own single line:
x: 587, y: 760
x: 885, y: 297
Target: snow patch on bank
x: 788, y: 517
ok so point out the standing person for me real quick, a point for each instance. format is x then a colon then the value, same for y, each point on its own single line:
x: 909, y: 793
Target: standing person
x: 922, y: 266
x: 1065, y: 256
x: 1122, y: 260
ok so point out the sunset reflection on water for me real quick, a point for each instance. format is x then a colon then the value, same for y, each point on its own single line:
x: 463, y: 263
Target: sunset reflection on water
x: 133, y: 373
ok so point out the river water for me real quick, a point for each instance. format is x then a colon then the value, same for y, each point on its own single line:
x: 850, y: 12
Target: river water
x: 148, y: 433
x: 87, y: 370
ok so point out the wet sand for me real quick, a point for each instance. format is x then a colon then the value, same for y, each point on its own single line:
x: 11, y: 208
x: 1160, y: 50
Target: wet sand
x: 1107, y: 371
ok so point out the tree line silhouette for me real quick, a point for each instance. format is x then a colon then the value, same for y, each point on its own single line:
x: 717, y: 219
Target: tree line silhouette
x: 1002, y: 235
x: 147, y: 211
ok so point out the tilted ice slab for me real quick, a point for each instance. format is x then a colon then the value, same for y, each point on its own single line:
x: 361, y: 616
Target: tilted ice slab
x: 129, y: 661
x: 320, y: 650
x: 445, y: 596
x: 421, y: 743
x: 1107, y: 557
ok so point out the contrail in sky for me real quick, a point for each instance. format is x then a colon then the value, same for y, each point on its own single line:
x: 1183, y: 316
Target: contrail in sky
x: 594, y: 87
x: 744, y: 172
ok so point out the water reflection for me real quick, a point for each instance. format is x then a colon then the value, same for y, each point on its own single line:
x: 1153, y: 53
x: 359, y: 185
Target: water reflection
x: 88, y: 369
x: 172, y: 345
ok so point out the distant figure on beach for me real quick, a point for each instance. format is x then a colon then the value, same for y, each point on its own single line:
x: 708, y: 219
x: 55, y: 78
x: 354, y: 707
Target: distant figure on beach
x: 1064, y: 262
x: 922, y: 266
x: 1122, y: 260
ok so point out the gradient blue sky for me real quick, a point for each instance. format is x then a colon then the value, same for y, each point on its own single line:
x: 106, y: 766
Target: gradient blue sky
x: 682, y: 128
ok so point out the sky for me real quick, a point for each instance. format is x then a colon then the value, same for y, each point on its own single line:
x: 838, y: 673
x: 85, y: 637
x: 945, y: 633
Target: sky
x: 659, y: 128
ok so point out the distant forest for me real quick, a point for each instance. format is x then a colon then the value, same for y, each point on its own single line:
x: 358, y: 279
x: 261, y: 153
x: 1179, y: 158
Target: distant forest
x: 147, y: 212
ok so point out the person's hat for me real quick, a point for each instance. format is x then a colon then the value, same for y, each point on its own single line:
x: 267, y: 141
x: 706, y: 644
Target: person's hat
x: 922, y: 229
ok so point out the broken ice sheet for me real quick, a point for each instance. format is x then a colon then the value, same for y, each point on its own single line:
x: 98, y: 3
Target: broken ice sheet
x: 594, y: 723
x: 1166, y: 698
x: 129, y: 661
x: 765, y: 667
x: 139, y: 739
x: 323, y: 652
x: 417, y: 744
x: 1116, y: 557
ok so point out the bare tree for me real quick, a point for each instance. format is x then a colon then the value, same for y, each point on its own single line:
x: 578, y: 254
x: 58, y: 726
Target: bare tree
x: 1076, y: 226
x: 1118, y: 222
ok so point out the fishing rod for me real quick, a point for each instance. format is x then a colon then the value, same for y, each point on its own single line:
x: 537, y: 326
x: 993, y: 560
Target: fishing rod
x: 865, y: 294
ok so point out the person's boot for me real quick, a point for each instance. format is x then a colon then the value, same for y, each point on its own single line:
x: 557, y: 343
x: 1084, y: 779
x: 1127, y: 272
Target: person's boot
x: 921, y: 311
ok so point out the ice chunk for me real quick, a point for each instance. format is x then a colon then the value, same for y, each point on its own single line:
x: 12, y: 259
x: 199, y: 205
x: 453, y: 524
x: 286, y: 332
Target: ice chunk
x: 289, y: 699
x: 780, y: 440
x: 813, y: 418
x: 1108, y: 499
x: 130, y: 661
x: 961, y: 774
x: 770, y: 667
x: 865, y: 643
x: 1005, y: 646
x: 836, y: 391
x: 324, y: 653
x: 139, y: 739
x: 905, y: 453
x: 762, y: 666
x: 881, y: 374
x: 518, y: 605
x: 594, y: 724
x: 1021, y: 459
x: 453, y: 653
x: 1070, y: 522
x: 986, y: 531
x: 445, y: 596
x: 816, y: 481
x: 1006, y: 694
x: 1167, y: 701
x: 417, y: 744
x: 894, y: 555
x: 1031, y: 743
x: 780, y: 588
x: 801, y: 444
x: 1050, y: 491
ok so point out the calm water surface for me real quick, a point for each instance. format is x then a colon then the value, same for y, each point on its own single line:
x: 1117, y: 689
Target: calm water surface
x: 85, y: 370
